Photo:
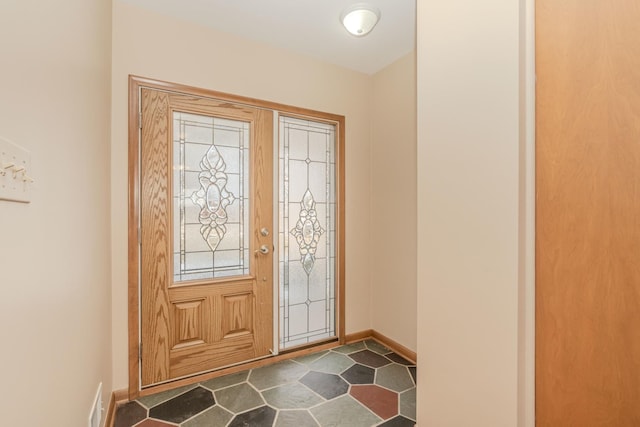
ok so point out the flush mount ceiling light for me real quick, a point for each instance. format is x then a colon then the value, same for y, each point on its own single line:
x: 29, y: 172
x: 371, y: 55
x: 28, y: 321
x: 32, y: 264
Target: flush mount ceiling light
x: 359, y: 19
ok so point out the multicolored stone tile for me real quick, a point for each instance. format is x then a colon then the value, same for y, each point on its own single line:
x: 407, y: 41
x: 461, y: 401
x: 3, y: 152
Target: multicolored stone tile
x: 326, y: 385
x: 344, y: 411
x: 408, y: 403
x: 394, y: 357
x: 414, y: 374
x: 394, y: 377
x: 239, y: 398
x: 309, y: 358
x: 376, y: 347
x: 350, y: 348
x: 382, y: 402
x: 184, y: 406
x: 226, y: 381
x: 398, y: 422
x: 150, y: 422
x: 331, y: 363
x: 295, y: 418
x: 129, y: 414
x: 359, y: 374
x: 358, y: 385
x: 214, y: 416
x: 369, y: 358
x: 291, y: 396
x: 154, y: 399
x: 277, y: 374
x: 259, y: 417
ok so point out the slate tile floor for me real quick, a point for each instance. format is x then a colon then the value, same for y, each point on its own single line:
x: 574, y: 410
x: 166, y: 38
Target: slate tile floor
x: 357, y: 385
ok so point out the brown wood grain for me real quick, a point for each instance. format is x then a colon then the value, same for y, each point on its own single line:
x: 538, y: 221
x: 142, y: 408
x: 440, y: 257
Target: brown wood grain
x: 588, y: 213
x: 358, y: 336
x: 202, y: 325
x: 262, y: 216
x: 191, y: 320
x: 235, y: 99
x: 155, y: 246
x: 133, y: 249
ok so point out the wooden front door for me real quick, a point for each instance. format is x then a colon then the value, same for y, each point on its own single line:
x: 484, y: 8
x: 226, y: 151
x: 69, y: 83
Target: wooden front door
x: 205, y: 203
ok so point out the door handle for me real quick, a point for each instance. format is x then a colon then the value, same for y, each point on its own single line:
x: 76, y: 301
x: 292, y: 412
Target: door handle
x: 264, y: 249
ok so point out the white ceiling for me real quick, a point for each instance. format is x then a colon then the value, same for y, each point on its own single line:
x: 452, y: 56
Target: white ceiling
x: 309, y: 27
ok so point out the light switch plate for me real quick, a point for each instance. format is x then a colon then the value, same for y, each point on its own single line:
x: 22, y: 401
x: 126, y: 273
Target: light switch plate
x: 15, y: 172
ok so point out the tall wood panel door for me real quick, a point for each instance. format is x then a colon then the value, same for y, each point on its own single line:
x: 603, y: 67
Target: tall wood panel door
x: 588, y: 213
x: 206, y: 266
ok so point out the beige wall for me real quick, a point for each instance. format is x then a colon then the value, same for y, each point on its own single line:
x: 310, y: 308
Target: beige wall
x: 393, y: 202
x: 55, y: 308
x: 152, y: 45
x: 470, y: 202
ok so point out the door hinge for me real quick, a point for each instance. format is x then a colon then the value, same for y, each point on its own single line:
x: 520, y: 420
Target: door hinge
x: 140, y: 119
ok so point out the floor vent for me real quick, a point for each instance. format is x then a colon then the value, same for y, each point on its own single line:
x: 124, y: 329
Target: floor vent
x: 95, y: 415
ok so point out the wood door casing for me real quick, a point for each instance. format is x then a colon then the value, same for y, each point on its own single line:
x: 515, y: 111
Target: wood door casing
x: 588, y: 213
x: 192, y: 327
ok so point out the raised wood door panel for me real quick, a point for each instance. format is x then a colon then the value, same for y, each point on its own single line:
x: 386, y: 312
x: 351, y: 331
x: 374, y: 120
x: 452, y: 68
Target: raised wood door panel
x: 199, y: 324
x: 588, y: 213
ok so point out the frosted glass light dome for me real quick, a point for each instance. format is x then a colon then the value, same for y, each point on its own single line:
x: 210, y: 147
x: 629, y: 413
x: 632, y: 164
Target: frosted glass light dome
x: 360, y: 19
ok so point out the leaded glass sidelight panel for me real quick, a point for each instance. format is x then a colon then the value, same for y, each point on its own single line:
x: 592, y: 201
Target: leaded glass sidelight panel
x: 307, y: 210
x: 210, y: 197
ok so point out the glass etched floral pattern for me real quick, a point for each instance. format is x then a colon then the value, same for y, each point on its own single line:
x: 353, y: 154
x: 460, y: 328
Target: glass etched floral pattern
x: 210, y: 197
x: 306, y: 231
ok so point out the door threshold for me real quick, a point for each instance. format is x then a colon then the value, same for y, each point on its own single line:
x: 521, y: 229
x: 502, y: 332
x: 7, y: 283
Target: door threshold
x: 312, y: 345
x: 243, y: 366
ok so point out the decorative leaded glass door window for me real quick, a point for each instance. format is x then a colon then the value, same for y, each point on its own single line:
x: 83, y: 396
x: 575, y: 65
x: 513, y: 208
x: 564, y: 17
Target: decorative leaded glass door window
x: 211, y: 197
x: 307, y: 213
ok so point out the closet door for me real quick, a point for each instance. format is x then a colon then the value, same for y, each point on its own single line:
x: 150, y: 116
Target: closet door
x: 588, y: 213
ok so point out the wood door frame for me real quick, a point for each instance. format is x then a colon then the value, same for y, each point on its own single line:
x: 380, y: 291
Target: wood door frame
x: 135, y: 85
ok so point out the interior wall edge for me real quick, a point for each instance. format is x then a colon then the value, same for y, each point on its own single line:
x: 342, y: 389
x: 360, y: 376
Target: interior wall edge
x: 393, y: 183
x: 469, y: 212
x: 526, y: 303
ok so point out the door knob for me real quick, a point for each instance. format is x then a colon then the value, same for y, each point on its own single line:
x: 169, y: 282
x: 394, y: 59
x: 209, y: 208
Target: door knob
x: 264, y: 249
